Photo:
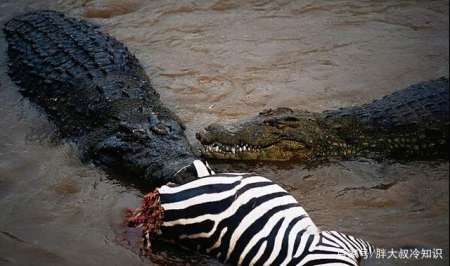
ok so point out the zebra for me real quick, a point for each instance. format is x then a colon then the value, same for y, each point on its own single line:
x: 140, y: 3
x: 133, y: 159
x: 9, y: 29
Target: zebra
x: 242, y: 219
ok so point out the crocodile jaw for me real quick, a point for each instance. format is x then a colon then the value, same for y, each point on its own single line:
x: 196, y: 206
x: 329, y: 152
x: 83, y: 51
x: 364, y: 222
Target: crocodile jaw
x: 283, y: 150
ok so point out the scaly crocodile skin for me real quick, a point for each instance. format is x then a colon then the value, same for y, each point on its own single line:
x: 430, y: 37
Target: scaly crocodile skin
x: 410, y: 124
x: 97, y: 94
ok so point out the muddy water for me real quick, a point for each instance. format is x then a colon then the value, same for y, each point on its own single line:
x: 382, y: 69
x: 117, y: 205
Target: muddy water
x: 215, y: 61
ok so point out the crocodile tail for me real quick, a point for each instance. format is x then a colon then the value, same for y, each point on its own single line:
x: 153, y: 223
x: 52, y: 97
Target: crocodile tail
x: 345, y: 245
x: 150, y: 217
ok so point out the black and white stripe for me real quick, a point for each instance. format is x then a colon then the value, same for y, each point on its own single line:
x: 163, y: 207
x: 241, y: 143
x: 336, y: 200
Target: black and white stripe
x: 245, y: 219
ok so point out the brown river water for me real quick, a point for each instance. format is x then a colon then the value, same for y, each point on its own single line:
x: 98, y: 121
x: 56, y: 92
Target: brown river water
x: 216, y: 61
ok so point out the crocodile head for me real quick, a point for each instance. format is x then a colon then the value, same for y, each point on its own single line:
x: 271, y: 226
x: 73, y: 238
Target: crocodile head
x: 275, y: 135
x: 149, y: 145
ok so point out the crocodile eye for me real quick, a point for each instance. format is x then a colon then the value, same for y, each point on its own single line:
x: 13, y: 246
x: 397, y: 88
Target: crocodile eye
x: 291, y: 119
x: 282, y: 126
x: 160, y: 129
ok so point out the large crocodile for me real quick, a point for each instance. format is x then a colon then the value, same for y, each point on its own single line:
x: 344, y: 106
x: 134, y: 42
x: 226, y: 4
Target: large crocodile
x: 97, y: 94
x: 409, y: 124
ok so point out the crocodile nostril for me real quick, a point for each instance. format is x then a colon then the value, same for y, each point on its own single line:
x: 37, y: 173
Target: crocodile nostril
x: 215, y: 127
x: 202, y: 136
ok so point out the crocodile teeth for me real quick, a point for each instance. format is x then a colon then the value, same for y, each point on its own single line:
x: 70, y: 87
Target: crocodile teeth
x: 238, y: 148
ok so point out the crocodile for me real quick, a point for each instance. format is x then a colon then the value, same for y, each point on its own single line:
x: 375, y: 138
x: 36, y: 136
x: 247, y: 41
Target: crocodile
x: 410, y: 124
x: 97, y: 94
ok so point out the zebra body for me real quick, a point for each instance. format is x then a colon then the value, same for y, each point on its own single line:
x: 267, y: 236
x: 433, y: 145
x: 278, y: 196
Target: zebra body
x: 245, y: 219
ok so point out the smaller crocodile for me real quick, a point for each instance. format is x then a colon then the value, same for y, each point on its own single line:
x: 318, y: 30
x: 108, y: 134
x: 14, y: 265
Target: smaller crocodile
x: 410, y: 124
